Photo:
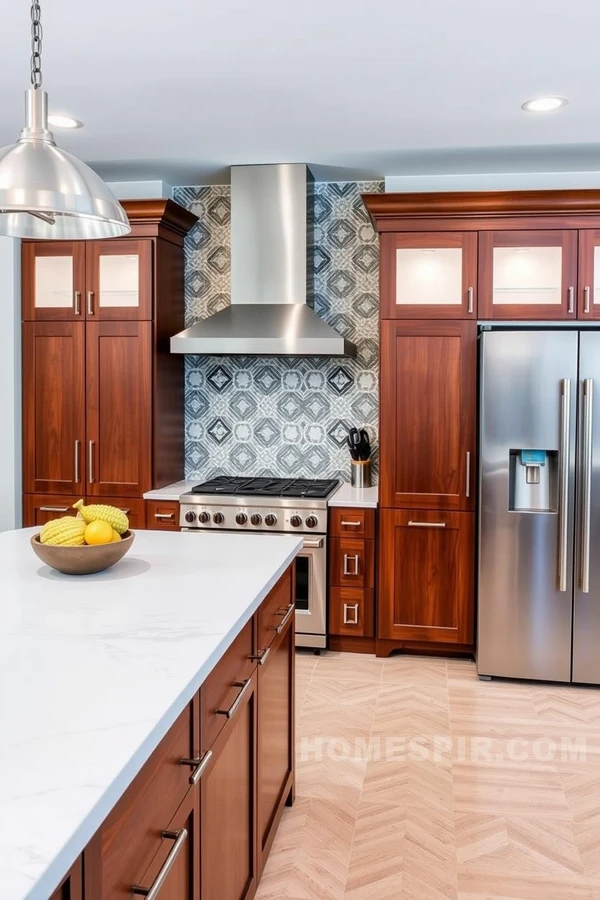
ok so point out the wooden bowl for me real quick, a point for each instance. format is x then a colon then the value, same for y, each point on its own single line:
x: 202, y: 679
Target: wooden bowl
x: 82, y: 560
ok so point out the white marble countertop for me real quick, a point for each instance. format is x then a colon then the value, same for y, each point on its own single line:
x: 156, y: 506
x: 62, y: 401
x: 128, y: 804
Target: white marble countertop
x: 346, y: 495
x: 93, y: 672
x: 170, y: 491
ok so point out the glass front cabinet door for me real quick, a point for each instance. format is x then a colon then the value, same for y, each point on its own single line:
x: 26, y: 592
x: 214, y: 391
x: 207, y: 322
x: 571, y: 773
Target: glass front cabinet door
x: 589, y: 275
x: 528, y: 275
x: 119, y: 280
x: 53, y: 274
x: 429, y: 275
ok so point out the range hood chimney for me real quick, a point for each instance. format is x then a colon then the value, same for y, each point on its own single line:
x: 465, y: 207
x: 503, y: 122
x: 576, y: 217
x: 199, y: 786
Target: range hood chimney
x: 271, y: 310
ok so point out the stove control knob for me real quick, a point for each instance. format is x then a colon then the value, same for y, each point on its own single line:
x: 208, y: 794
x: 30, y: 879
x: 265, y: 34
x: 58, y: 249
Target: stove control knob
x: 295, y: 521
x: 241, y: 518
x: 204, y: 517
x: 190, y: 516
x: 271, y: 520
x: 256, y: 519
x: 311, y: 522
x: 218, y: 518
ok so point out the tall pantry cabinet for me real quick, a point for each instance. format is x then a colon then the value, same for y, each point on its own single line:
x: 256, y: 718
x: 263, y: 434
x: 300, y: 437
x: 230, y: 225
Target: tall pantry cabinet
x: 102, y: 394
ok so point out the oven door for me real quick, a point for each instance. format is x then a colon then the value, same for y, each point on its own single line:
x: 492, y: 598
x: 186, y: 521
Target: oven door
x: 310, y: 599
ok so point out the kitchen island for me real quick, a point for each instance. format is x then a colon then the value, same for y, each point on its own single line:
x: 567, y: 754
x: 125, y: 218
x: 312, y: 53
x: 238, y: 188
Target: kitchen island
x: 104, y: 679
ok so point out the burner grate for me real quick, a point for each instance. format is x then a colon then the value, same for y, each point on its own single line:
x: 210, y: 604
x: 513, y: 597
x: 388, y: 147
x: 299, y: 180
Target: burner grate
x: 268, y: 487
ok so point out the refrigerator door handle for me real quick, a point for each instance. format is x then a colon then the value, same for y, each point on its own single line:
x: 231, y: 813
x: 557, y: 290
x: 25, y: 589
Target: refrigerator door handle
x: 563, y: 486
x: 588, y: 413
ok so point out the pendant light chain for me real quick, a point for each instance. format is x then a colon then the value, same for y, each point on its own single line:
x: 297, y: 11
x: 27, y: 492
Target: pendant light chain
x: 36, y: 44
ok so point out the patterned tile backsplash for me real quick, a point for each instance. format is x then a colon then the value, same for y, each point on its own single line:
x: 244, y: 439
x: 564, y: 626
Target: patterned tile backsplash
x: 249, y: 415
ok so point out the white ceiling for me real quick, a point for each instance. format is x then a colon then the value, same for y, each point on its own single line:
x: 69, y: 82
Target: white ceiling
x: 180, y: 90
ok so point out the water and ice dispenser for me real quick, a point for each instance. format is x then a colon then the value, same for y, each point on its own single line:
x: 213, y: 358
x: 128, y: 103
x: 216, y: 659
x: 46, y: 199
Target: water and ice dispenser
x: 533, y: 481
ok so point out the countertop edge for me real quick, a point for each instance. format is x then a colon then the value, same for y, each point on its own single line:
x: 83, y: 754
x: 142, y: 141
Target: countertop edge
x: 360, y: 498
x: 49, y: 880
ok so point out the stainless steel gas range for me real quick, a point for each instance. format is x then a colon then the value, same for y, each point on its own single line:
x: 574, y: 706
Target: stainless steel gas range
x: 275, y: 506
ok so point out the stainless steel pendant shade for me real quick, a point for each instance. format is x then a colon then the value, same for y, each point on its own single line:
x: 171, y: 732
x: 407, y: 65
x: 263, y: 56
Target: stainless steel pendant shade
x: 47, y: 194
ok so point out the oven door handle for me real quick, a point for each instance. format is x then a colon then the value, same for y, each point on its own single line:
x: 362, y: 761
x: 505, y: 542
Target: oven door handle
x: 313, y: 544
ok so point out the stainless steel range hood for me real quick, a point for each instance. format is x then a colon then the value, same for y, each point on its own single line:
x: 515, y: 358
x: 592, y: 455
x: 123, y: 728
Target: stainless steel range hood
x: 271, y: 273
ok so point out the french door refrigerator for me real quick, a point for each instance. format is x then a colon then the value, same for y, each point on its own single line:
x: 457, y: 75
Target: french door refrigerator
x: 539, y: 513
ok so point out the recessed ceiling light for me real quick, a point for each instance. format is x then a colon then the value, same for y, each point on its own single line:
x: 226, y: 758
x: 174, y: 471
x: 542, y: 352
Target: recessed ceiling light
x: 544, y: 104
x: 64, y: 122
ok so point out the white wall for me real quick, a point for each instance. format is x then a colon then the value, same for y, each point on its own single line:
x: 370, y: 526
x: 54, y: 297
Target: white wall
x: 492, y: 181
x: 10, y: 384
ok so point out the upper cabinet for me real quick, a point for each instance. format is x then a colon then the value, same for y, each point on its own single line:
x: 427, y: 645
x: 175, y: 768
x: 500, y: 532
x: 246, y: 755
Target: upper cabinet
x: 589, y: 275
x: 528, y: 275
x: 94, y: 280
x: 429, y: 275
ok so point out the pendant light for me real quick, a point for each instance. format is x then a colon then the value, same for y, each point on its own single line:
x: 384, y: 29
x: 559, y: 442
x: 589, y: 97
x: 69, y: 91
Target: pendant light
x: 46, y: 193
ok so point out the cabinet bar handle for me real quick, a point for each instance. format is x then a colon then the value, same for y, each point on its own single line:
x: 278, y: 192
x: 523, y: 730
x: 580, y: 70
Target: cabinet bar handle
x: 347, y: 559
x: 350, y: 524
x: 468, y: 474
x: 588, y: 409
x: 285, y: 619
x: 313, y: 544
x: 261, y: 657
x: 199, y: 766
x: 427, y: 524
x: 91, y: 461
x: 586, y: 299
x: 77, y: 303
x: 470, y: 300
x: 228, y: 713
x: 90, y: 303
x: 180, y: 838
x: 571, y: 300
x: 164, y: 515
x: 354, y: 608
x: 563, y: 483
x: 77, y: 475
x: 54, y: 509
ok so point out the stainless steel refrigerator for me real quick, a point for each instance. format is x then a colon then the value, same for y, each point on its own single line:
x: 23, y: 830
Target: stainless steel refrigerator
x: 539, y: 512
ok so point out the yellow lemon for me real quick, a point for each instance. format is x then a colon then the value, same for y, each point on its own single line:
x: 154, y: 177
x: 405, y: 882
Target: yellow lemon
x: 98, y: 532
x: 116, y: 537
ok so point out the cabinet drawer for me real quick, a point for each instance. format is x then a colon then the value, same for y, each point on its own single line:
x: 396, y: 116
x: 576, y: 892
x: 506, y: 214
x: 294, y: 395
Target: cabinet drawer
x: 224, y: 685
x: 41, y: 508
x: 352, y: 522
x: 351, y: 611
x: 131, y: 835
x: 273, y: 611
x: 352, y: 562
x: 162, y: 515
x: 135, y: 510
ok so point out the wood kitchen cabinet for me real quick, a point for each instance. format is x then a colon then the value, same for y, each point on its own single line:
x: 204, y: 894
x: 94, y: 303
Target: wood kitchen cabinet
x: 71, y: 887
x: 426, y: 576
x: 176, y: 866
x: 588, y: 303
x: 427, y: 432
x: 103, y: 397
x: 162, y: 515
x: 351, y: 579
x: 41, y: 508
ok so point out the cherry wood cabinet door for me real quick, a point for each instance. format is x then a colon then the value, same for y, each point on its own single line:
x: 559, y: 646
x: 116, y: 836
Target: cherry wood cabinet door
x: 41, y: 508
x: 71, y: 887
x: 53, y: 281
x: 228, y: 806
x: 134, y: 509
x: 176, y: 866
x: 430, y: 275
x: 426, y: 576
x: 119, y: 280
x: 119, y: 402
x: 427, y: 414
x: 275, y: 737
x: 588, y: 303
x: 527, y: 274
x: 53, y: 407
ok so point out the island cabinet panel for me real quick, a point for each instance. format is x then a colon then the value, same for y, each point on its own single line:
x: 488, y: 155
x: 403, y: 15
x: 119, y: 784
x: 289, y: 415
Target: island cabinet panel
x: 275, y: 734
x: 224, y: 689
x: 175, y: 869
x: 71, y: 887
x: 228, y: 806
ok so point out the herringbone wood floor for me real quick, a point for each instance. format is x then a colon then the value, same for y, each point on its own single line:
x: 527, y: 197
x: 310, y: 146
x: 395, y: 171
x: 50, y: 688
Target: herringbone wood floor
x: 510, y: 819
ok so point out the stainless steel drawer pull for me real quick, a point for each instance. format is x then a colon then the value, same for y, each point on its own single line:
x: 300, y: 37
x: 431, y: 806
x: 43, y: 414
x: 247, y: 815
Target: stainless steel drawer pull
x: 470, y: 300
x: 164, y: 515
x: 427, y: 524
x: 180, y: 838
x: 228, y: 713
x: 77, y: 303
x: 586, y: 299
x: 571, y: 300
x: 90, y: 303
x: 54, y: 509
x: 354, y: 608
x: 91, y: 462
x: 77, y: 475
x: 468, y: 474
x: 285, y: 619
x: 350, y: 524
x: 355, y: 560
x: 199, y: 765
x: 314, y: 544
x: 261, y: 658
